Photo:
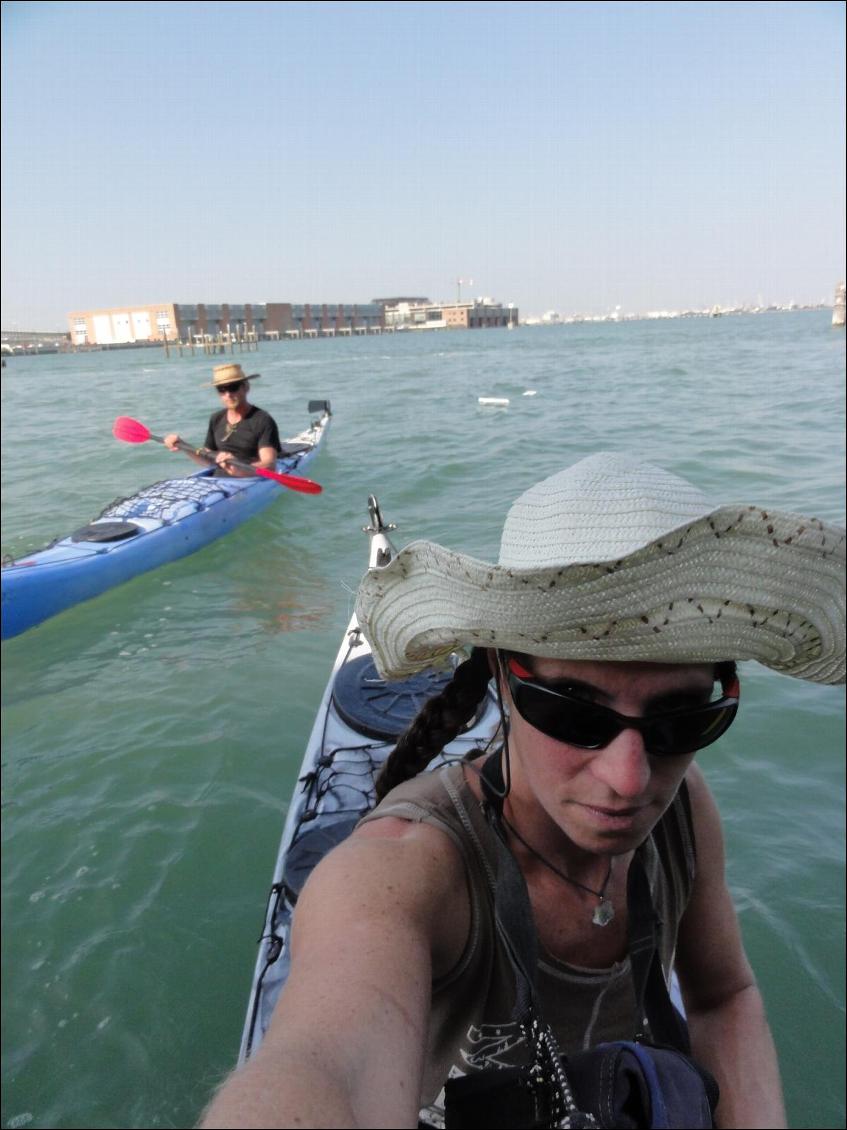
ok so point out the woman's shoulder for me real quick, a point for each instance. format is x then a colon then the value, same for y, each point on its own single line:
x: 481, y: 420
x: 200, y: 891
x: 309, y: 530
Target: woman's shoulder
x: 405, y: 832
x: 393, y: 870
x: 443, y: 798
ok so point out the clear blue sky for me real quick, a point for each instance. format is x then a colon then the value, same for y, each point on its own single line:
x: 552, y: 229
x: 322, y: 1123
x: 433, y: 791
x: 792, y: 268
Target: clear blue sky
x: 568, y: 156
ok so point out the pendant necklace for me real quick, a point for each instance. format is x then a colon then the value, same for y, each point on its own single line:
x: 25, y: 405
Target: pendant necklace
x: 604, y: 911
x: 230, y: 428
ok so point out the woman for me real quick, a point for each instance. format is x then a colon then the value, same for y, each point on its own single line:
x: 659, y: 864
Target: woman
x: 484, y: 914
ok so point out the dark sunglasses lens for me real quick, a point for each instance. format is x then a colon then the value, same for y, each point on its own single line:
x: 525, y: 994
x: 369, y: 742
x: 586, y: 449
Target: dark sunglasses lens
x: 686, y: 733
x: 231, y: 388
x: 571, y: 721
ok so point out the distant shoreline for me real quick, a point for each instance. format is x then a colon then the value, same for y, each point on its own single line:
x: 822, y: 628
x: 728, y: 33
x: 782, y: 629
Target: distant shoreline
x: 34, y: 350
x: 658, y: 315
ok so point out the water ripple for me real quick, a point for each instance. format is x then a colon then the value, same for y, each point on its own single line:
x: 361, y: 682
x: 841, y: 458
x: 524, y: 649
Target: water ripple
x: 152, y: 736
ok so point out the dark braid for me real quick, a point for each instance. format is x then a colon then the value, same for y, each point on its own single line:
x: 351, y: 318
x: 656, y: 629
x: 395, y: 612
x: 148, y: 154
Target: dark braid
x: 437, y: 722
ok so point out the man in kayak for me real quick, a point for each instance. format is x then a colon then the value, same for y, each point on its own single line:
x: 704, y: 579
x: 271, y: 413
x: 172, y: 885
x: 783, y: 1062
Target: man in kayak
x: 239, y: 430
x: 487, y: 913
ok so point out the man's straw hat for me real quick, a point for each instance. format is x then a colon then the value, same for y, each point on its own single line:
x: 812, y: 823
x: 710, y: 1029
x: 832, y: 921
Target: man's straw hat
x: 228, y: 374
x: 615, y: 559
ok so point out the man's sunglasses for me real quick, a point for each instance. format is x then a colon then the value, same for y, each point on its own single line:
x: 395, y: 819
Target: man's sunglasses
x: 587, y: 725
x: 236, y: 386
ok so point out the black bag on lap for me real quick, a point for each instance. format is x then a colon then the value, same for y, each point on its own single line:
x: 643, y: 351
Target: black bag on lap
x: 621, y: 1085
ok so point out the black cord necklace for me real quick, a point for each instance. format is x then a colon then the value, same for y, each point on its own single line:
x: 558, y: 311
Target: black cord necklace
x: 604, y: 911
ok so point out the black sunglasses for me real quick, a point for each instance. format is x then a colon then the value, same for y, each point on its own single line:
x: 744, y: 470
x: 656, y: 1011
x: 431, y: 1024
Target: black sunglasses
x: 236, y: 386
x: 587, y: 725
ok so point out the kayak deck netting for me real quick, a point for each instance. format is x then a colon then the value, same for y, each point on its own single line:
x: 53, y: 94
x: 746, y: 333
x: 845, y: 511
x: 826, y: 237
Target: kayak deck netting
x: 170, y: 499
x: 162, y: 504
x: 335, y: 789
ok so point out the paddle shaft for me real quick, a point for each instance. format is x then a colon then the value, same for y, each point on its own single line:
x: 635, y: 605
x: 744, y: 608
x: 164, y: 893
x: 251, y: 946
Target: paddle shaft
x: 293, y: 481
x: 133, y: 431
x: 208, y: 455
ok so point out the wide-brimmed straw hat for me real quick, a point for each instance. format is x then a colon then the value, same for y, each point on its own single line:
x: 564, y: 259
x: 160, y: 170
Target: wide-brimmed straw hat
x: 615, y: 559
x: 228, y: 374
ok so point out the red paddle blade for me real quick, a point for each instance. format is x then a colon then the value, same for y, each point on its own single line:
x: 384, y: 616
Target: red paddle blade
x: 129, y: 430
x: 293, y: 482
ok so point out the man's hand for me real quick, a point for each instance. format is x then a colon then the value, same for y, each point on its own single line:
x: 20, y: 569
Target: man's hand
x: 223, y: 458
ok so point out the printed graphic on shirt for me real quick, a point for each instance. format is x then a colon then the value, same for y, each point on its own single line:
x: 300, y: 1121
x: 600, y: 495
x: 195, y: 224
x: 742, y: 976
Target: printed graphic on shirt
x: 486, y: 1046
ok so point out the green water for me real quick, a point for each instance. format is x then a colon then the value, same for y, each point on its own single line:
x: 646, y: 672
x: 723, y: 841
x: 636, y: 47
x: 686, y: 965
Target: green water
x: 151, y: 737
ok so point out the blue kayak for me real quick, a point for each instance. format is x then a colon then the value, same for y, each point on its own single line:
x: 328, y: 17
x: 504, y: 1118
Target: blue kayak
x: 160, y: 523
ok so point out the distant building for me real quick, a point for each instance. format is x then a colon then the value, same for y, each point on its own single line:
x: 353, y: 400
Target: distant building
x: 124, y: 325
x: 322, y: 318
x: 190, y: 322
x: 838, y: 306
x: 173, y: 321
x: 34, y: 341
x: 482, y: 313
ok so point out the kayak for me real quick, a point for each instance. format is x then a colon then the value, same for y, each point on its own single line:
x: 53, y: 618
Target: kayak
x: 357, y: 725
x: 161, y: 523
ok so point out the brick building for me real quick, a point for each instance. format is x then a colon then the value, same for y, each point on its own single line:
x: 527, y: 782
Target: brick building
x: 173, y: 321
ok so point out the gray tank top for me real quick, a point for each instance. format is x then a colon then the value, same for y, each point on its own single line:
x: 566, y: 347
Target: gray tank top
x: 470, y: 1025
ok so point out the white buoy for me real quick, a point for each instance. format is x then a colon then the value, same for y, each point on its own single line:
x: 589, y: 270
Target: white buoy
x: 497, y: 401
x: 530, y: 392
